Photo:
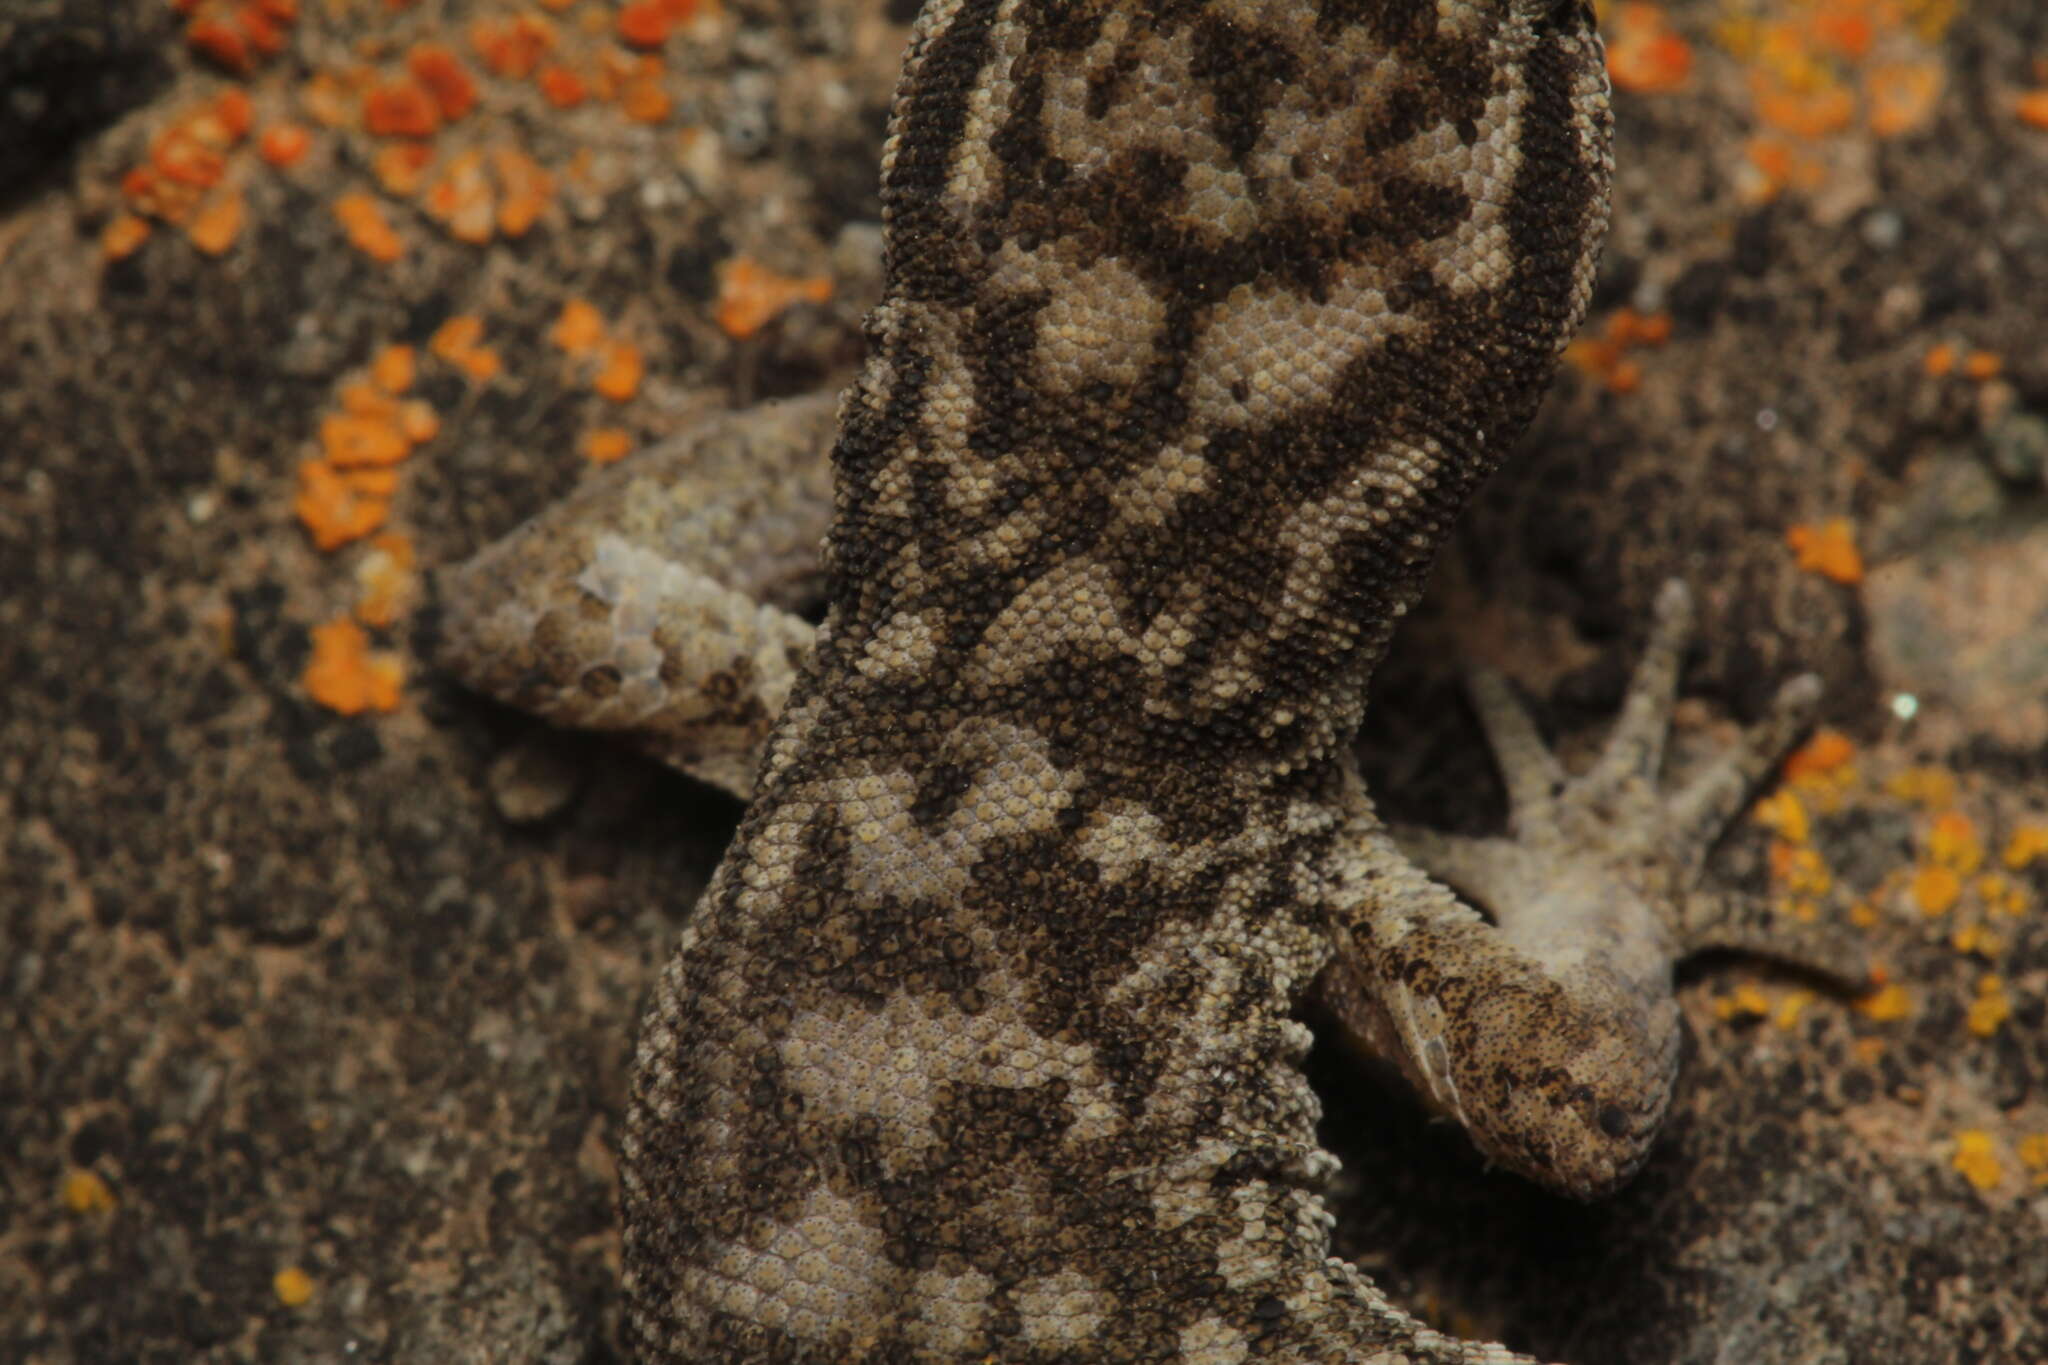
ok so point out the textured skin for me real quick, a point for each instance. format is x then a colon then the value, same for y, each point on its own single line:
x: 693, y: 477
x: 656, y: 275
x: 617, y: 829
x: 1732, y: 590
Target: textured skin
x: 1202, y: 322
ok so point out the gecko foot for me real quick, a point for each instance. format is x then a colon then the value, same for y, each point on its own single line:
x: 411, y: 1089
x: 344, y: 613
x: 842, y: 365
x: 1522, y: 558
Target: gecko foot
x: 1552, y: 1033
x: 1617, y: 811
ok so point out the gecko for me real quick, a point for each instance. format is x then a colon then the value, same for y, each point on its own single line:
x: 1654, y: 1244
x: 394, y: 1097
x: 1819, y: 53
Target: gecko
x: 1202, y: 319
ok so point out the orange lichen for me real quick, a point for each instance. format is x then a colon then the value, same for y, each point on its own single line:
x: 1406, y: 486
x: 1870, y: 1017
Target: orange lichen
x: 219, y: 221
x: 643, y: 99
x: 562, y: 87
x: 1936, y: 889
x: 2032, y: 108
x: 284, y: 145
x: 1783, y: 813
x: 606, y: 445
x: 364, y: 398
x: 348, y: 439
x: 1940, y: 360
x: 1802, y: 112
x: 219, y: 43
x: 1931, y: 788
x: 621, y: 372
x: 401, y: 167
x: 2001, y: 896
x: 579, y: 328
x: 1777, y: 166
x: 363, y: 219
x: 394, y: 368
x: 1990, y: 1007
x: 178, y: 155
x: 1822, y: 69
x: 418, y: 420
x: 1800, y: 869
x: 123, y: 235
x: 1845, y: 29
x: 293, y: 1287
x: 456, y: 341
x: 2028, y: 843
x: 233, y: 113
x: 1645, y: 56
x: 456, y: 335
x: 1828, y: 550
x: 1626, y: 327
x: 749, y: 294
x: 1901, y: 96
x: 263, y: 34
x: 1953, y: 842
x: 1982, y: 365
x: 1976, y: 1159
x: 375, y: 483
x: 461, y: 198
x: 1887, y: 1004
x: 333, y: 509
x: 2033, y: 1154
x: 327, y: 100
x: 444, y: 77
x: 524, y: 189
x: 346, y: 675
x: 1975, y: 938
x: 512, y: 47
x: 401, y: 109
x: 644, y: 23
x: 1790, y: 1006
x: 1605, y: 357
x: 1828, y: 750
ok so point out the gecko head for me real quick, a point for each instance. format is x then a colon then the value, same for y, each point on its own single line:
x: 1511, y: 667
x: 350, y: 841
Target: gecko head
x: 1565, y: 1085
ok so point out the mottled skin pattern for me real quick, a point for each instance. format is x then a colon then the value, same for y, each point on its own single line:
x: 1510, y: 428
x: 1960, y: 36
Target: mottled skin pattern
x: 1203, y: 320
x: 1201, y: 323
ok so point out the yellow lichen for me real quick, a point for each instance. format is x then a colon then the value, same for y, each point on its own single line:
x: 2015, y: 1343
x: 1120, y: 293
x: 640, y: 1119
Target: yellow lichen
x: 85, y: 1192
x: 1887, y: 1004
x: 1976, y: 1159
x: 293, y: 1287
x: 1991, y: 1007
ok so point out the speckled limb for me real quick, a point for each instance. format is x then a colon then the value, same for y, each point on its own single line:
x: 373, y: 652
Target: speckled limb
x: 653, y: 602
x: 1552, y: 1034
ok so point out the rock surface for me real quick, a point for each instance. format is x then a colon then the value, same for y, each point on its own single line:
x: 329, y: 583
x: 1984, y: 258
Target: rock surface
x: 288, y: 994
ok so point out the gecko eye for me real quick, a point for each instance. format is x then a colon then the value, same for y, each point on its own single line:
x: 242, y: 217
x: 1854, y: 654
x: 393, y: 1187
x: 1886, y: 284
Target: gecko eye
x: 1613, y: 1121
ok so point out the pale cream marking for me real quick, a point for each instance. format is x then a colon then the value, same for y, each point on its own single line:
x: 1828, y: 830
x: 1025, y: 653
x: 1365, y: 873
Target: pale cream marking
x: 1065, y: 1308
x: 1100, y: 324
x: 1149, y: 494
x: 1069, y: 611
x: 1478, y: 256
x: 975, y: 171
x: 1015, y: 791
x: 1123, y: 838
x: 849, y: 1060
x: 1168, y: 110
x: 902, y: 647
x: 1212, y: 1341
x: 1285, y: 351
x: 952, y: 1310
x: 823, y: 1268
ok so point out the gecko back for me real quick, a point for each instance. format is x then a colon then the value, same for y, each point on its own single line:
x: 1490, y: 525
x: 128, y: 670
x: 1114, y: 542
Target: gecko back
x: 1202, y: 322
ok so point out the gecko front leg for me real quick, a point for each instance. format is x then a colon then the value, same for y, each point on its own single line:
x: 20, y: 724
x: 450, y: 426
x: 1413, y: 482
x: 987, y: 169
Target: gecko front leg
x: 1552, y: 1033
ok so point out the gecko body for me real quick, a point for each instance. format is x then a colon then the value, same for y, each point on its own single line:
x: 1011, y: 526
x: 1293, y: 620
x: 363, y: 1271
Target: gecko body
x: 1202, y: 322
